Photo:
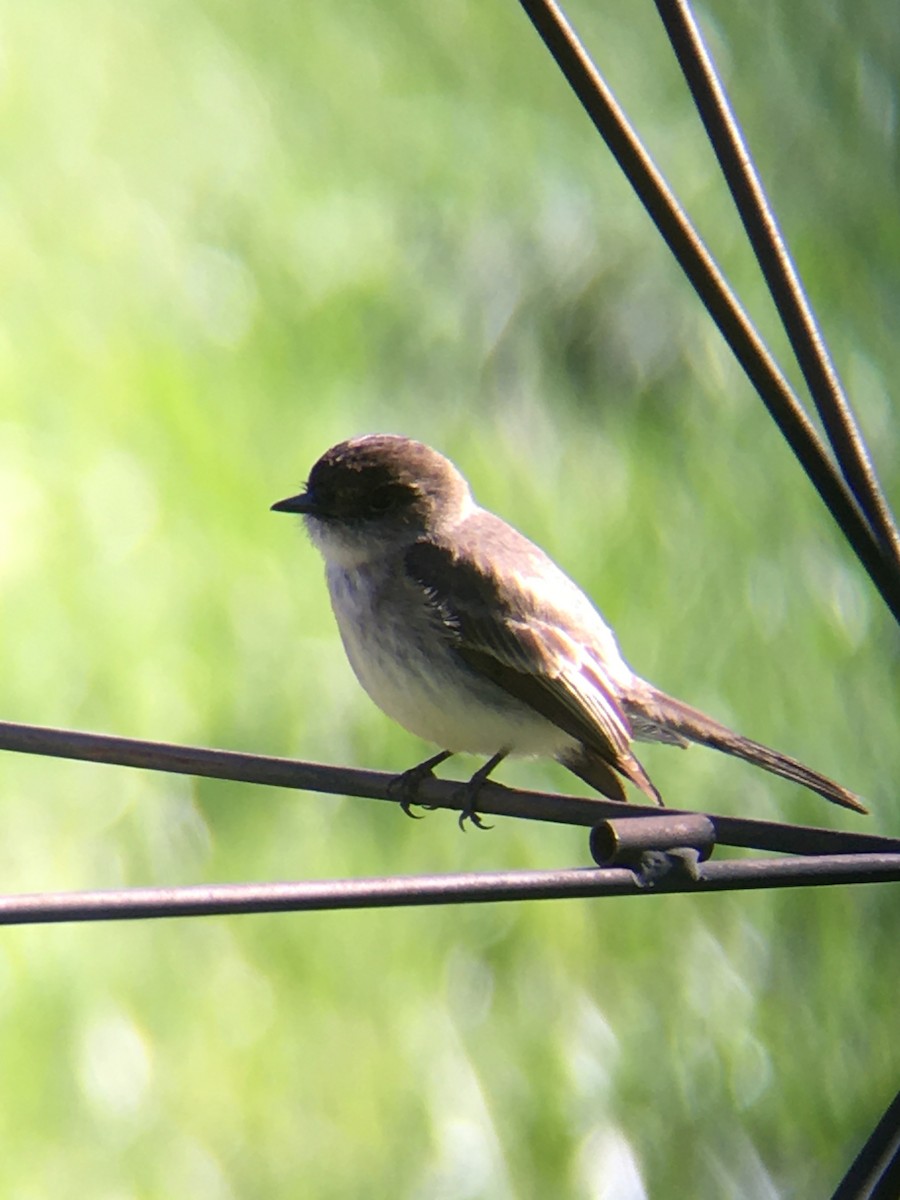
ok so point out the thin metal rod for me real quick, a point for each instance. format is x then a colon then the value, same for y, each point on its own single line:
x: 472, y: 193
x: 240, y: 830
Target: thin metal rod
x: 779, y: 271
x: 493, y: 799
x: 471, y: 888
x: 709, y: 283
x: 875, y: 1172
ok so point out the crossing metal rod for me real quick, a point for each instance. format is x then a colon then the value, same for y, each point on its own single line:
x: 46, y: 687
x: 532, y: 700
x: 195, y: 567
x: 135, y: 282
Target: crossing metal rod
x: 875, y: 1172
x: 723, y: 306
x: 779, y: 271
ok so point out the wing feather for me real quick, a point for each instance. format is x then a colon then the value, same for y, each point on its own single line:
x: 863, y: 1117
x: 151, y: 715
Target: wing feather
x: 503, y: 630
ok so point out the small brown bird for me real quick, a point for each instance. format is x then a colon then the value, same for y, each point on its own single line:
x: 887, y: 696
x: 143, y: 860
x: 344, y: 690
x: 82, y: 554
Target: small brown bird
x: 469, y: 636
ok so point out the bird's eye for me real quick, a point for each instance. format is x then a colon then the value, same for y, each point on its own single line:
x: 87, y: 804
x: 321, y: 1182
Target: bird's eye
x: 383, y: 498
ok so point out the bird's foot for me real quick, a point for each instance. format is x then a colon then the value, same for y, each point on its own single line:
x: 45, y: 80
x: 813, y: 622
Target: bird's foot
x: 469, y: 793
x: 468, y: 813
x: 405, y: 788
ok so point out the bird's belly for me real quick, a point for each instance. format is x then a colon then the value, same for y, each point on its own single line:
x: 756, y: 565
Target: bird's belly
x: 408, y: 666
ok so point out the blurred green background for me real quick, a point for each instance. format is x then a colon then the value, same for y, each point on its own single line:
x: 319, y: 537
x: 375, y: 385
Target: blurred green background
x: 233, y: 234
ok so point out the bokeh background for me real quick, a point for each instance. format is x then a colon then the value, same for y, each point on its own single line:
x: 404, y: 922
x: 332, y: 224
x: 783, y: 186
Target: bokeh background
x: 232, y: 234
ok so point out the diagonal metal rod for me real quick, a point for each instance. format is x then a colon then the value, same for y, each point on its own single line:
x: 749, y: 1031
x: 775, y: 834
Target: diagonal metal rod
x: 875, y: 1172
x: 706, y: 278
x: 469, y: 888
x: 779, y: 271
x: 493, y: 799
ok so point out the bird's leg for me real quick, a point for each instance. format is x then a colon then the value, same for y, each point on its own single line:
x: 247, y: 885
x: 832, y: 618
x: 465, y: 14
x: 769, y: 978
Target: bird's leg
x: 405, y: 787
x: 473, y: 787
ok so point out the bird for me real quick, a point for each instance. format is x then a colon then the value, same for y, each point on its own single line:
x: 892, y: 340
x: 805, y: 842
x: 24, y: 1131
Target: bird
x: 468, y: 635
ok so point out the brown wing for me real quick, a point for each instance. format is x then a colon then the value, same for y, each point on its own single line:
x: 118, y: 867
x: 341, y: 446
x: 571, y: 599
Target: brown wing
x: 499, y: 629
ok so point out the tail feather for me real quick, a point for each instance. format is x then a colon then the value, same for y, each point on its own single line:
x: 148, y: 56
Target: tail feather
x: 658, y: 717
x: 588, y: 765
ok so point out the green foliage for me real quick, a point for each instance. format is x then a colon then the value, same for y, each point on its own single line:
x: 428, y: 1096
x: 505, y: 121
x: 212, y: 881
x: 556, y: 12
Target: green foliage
x: 233, y: 234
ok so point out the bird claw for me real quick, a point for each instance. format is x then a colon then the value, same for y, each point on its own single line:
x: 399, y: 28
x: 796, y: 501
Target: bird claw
x: 469, y: 814
x: 469, y: 794
x: 471, y: 790
x: 404, y: 788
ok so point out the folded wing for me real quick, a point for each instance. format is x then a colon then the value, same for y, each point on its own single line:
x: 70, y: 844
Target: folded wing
x: 511, y: 633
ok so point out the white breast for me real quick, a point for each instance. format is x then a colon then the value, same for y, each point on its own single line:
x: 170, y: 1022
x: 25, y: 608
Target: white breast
x: 399, y: 654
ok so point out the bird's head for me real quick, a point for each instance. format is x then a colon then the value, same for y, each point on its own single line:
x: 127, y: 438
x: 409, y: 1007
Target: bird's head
x: 376, y: 493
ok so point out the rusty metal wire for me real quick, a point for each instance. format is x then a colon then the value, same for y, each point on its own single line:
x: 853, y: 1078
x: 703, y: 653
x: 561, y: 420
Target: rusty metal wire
x: 875, y: 1172
x: 493, y: 799
x: 130, y: 904
x: 826, y: 856
x: 779, y: 271
x: 872, y: 547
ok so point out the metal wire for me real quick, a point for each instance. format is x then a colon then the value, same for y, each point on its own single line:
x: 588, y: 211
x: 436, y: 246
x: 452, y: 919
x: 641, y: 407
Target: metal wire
x: 875, y: 1172
x: 474, y: 888
x: 779, y: 271
x: 721, y: 303
x: 493, y: 798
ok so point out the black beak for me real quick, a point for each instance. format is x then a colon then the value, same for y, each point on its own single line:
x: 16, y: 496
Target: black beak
x: 303, y: 503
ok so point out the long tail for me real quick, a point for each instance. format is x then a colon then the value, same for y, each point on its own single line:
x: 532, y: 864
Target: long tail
x: 658, y: 717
